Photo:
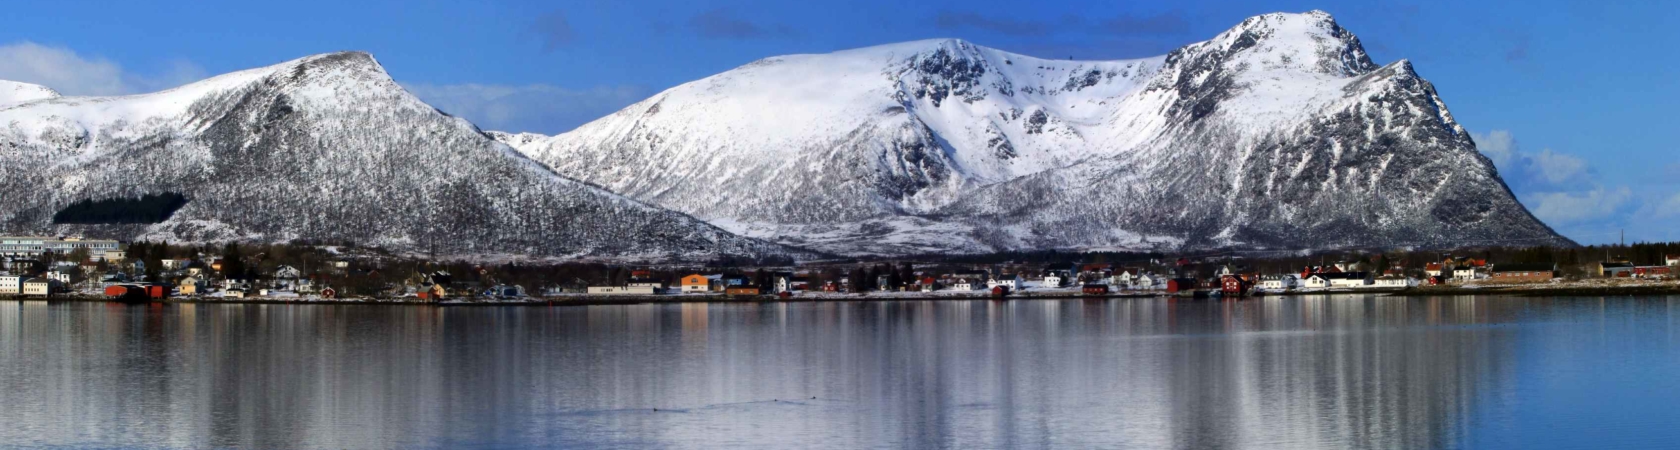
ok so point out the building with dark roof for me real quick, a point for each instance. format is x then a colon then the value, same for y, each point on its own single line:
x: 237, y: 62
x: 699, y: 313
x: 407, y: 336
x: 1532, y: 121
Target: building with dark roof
x: 1524, y: 271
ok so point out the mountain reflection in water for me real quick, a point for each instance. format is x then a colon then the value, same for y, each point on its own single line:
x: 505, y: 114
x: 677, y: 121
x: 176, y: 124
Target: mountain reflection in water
x: 1297, y: 372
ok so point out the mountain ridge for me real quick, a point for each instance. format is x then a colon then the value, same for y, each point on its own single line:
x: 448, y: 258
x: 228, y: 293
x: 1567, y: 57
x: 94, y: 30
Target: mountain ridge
x: 325, y: 147
x: 920, y: 147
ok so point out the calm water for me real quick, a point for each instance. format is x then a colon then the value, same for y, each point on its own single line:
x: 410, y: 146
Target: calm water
x: 1343, y: 372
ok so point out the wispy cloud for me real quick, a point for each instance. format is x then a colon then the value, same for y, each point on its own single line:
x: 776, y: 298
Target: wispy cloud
x: 1572, y: 208
x: 723, y: 24
x: 71, y: 73
x: 1567, y: 192
x: 553, y: 29
x: 1547, y: 170
x: 540, y: 108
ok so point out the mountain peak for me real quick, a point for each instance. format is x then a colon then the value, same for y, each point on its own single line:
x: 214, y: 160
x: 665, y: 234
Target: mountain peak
x: 1312, y: 38
x: 12, y: 92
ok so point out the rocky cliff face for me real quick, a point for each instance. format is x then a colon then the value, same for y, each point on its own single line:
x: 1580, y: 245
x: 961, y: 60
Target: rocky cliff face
x: 324, y: 147
x: 1278, y: 133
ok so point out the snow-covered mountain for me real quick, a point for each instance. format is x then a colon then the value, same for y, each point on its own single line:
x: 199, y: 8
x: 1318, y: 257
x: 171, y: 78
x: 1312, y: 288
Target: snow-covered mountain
x: 326, y: 147
x: 12, y: 92
x: 1278, y: 133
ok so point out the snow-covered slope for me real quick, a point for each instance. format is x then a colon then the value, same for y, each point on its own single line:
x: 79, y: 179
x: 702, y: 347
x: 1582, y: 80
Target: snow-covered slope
x: 12, y: 92
x: 1278, y: 133
x: 326, y: 147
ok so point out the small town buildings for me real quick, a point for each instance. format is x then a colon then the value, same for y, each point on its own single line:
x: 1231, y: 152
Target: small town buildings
x: 724, y: 282
x: 965, y: 285
x: 1177, y: 285
x: 1148, y: 281
x: 1524, y: 272
x: 1465, y: 273
x: 696, y: 284
x: 37, y: 286
x: 1395, y: 281
x: 1350, y: 279
x: 787, y: 282
x: 1615, y: 269
x: 1012, y: 282
x: 1433, y: 269
x: 1280, y: 282
x: 743, y: 290
x: 1232, y: 284
x: 1052, y: 280
x: 60, y: 277
x: 621, y: 290
x: 188, y: 285
x: 21, y: 265
x: 1338, y: 280
x: 654, y: 285
x: 1653, y: 271
x: 11, y: 285
x: 35, y: 246
x: 1094, y: 289
x: 1671, y: 260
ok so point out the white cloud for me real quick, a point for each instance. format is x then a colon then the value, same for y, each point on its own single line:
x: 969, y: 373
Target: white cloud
x: 1498, y: 145
x: 1666, y: 208
x: 60, y: 69
x: 71, y: 73
x: 1547, y: 171
x: 538, y: 108
x: 1565, y: 208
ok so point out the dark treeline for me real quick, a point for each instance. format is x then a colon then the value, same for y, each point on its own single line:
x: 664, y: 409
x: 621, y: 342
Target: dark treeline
x: 150, y: 208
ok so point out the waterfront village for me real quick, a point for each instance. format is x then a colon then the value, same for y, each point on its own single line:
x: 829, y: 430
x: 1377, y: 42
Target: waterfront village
x: 69, y: 267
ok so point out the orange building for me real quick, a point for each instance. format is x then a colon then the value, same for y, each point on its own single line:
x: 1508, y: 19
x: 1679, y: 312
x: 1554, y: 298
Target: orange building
x: 696, y: 283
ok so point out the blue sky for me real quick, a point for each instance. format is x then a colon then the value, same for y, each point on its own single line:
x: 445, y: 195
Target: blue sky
x: 1573, y: 100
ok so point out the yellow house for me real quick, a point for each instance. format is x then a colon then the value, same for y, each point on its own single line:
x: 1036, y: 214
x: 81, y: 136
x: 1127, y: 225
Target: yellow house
x: 696, y: 283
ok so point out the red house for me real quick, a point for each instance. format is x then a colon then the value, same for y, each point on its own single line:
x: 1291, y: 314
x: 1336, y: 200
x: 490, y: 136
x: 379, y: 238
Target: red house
x: 1000, y: 290
x: 1095, y: 289
x: 1177, y: 285
x: 1233, y: 285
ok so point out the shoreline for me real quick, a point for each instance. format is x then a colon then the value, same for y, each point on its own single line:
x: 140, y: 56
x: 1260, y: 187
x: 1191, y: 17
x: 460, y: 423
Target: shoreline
x: 1518, y: 290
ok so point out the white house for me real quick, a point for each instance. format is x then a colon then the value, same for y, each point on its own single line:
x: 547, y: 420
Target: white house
x: 1280, y: 282
x: 1465, y: 273
x: 1316, y: 281
x: 963, y: 284
x: 1051, y: 280
x: 1672, y: 260
x: 1124, y: 277
x: 61, y: 277
x: 1350, y: 279
x: 621, y: 290
x: 1013, y: 282
x: 11, y: 285
x: 1395, y: 281
x: 1338, y: 280
x: 1149, y: 281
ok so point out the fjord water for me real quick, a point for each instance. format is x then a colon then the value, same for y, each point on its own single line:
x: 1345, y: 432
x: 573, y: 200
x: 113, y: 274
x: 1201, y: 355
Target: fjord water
x: 1295, y: 372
